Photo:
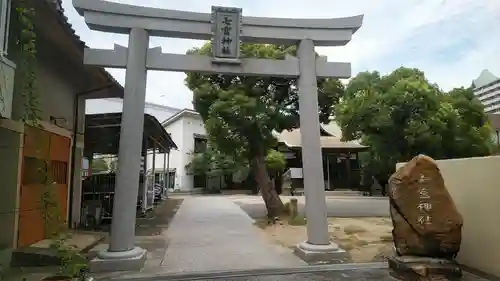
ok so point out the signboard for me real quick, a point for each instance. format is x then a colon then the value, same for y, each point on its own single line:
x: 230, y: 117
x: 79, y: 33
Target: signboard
x: 226, y: 28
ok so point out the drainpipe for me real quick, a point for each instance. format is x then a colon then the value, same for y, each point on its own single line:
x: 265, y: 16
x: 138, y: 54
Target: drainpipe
x: 73, y: 147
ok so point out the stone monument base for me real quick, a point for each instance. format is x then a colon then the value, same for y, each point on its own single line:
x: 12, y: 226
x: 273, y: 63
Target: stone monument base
x: 410, y: 268
x: 119, y: 261
x: 320, y: 253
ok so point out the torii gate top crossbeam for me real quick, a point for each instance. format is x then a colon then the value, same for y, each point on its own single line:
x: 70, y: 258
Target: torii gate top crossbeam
x: 120, y: 18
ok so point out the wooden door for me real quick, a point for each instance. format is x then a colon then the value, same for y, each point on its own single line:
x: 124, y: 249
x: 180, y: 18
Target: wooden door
x: 45, y: 160
x: 60, y: 151
x: 36, y: 152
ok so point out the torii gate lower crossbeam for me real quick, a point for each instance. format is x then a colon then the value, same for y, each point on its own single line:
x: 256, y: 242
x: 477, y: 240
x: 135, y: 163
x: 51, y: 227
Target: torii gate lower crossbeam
x: 122, y: 253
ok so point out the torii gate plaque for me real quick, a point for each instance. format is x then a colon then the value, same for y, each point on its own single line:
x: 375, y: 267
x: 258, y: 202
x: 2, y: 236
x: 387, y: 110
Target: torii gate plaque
x: 227, y: 28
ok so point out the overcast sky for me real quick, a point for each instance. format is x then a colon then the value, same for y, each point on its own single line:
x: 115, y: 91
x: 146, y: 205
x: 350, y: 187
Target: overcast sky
x: 450, y: 40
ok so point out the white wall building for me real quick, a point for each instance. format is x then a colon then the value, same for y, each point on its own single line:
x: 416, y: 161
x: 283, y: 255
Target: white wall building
x: 184, y: 127
x: 487, y: 90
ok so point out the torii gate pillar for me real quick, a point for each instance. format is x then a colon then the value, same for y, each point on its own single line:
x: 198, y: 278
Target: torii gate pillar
x: 122, y: 253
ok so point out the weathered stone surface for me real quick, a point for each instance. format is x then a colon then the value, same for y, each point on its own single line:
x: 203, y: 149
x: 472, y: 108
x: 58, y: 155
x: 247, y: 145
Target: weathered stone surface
x: 410, y: 268
x: 425, y: 219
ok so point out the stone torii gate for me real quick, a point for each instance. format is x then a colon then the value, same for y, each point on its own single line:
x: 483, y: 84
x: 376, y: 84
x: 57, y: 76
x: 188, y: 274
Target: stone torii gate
x: 226, y: 28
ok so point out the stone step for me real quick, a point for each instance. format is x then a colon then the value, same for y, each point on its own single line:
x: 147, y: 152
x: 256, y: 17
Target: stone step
x: 41, y: 253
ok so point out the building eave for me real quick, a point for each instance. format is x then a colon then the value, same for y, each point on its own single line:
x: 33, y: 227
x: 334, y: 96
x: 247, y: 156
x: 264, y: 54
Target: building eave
x: 183, y: 113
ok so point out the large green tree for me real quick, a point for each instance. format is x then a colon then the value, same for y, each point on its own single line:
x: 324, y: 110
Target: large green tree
x: 242, y: 112
x: 212, y: 162
x: 402, y: 114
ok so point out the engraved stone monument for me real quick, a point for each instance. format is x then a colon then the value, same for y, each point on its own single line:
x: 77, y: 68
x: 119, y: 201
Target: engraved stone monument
x: 427, y: 225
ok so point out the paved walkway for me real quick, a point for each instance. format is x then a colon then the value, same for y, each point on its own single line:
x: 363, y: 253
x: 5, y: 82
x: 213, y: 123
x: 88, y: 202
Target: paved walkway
x: 213, y: 233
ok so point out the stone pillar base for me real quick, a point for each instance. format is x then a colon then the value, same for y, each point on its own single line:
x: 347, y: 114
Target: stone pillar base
x: 119, y: 261
x: 316, y: 254
x: 417, y: 268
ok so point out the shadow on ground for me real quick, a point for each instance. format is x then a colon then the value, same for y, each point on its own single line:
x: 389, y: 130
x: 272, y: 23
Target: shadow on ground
x: 158, y: 219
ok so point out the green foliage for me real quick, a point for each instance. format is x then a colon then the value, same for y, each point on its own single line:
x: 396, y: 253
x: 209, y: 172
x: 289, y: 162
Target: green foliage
x: 99, y: 165
x: 243, y: 111
x: 72, y: 262
x: 212, y: 162
x: 26, y: 40
x: 275, y: 160
x: 402, y: 115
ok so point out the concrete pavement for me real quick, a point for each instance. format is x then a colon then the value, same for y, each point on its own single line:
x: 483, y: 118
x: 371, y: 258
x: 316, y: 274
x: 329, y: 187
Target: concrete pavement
x: 213, y: 233
x: 348, y: 206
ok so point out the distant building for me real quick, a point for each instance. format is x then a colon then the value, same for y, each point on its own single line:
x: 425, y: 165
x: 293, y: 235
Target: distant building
x: 487, y: 90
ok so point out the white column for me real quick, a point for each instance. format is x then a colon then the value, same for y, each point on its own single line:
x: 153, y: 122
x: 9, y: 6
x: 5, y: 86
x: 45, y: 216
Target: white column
x: 154, y: 172
x: 164, y: 176
x: 317, y: 225
x: 145, y: 182
x: 122, y: 237
x: 168, y: 171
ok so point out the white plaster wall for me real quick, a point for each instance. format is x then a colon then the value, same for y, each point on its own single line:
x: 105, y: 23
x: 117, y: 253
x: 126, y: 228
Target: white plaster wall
x: 191, y: 125
x: 182, y: 132
x: 175, y: 130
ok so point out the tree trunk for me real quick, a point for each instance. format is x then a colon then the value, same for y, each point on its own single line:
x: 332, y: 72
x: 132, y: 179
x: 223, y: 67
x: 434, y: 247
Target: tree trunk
x: 228, y: 179
x: 273, y: 202
x: 279, y: 182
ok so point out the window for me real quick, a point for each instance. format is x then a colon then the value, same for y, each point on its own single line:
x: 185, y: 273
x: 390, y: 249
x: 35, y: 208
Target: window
x: 5, y: 6
x: 200, y: 144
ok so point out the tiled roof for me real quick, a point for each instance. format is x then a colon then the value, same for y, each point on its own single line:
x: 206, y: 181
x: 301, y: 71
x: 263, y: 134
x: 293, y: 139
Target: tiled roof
x: 56, y: 6
x: 292, y: 139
